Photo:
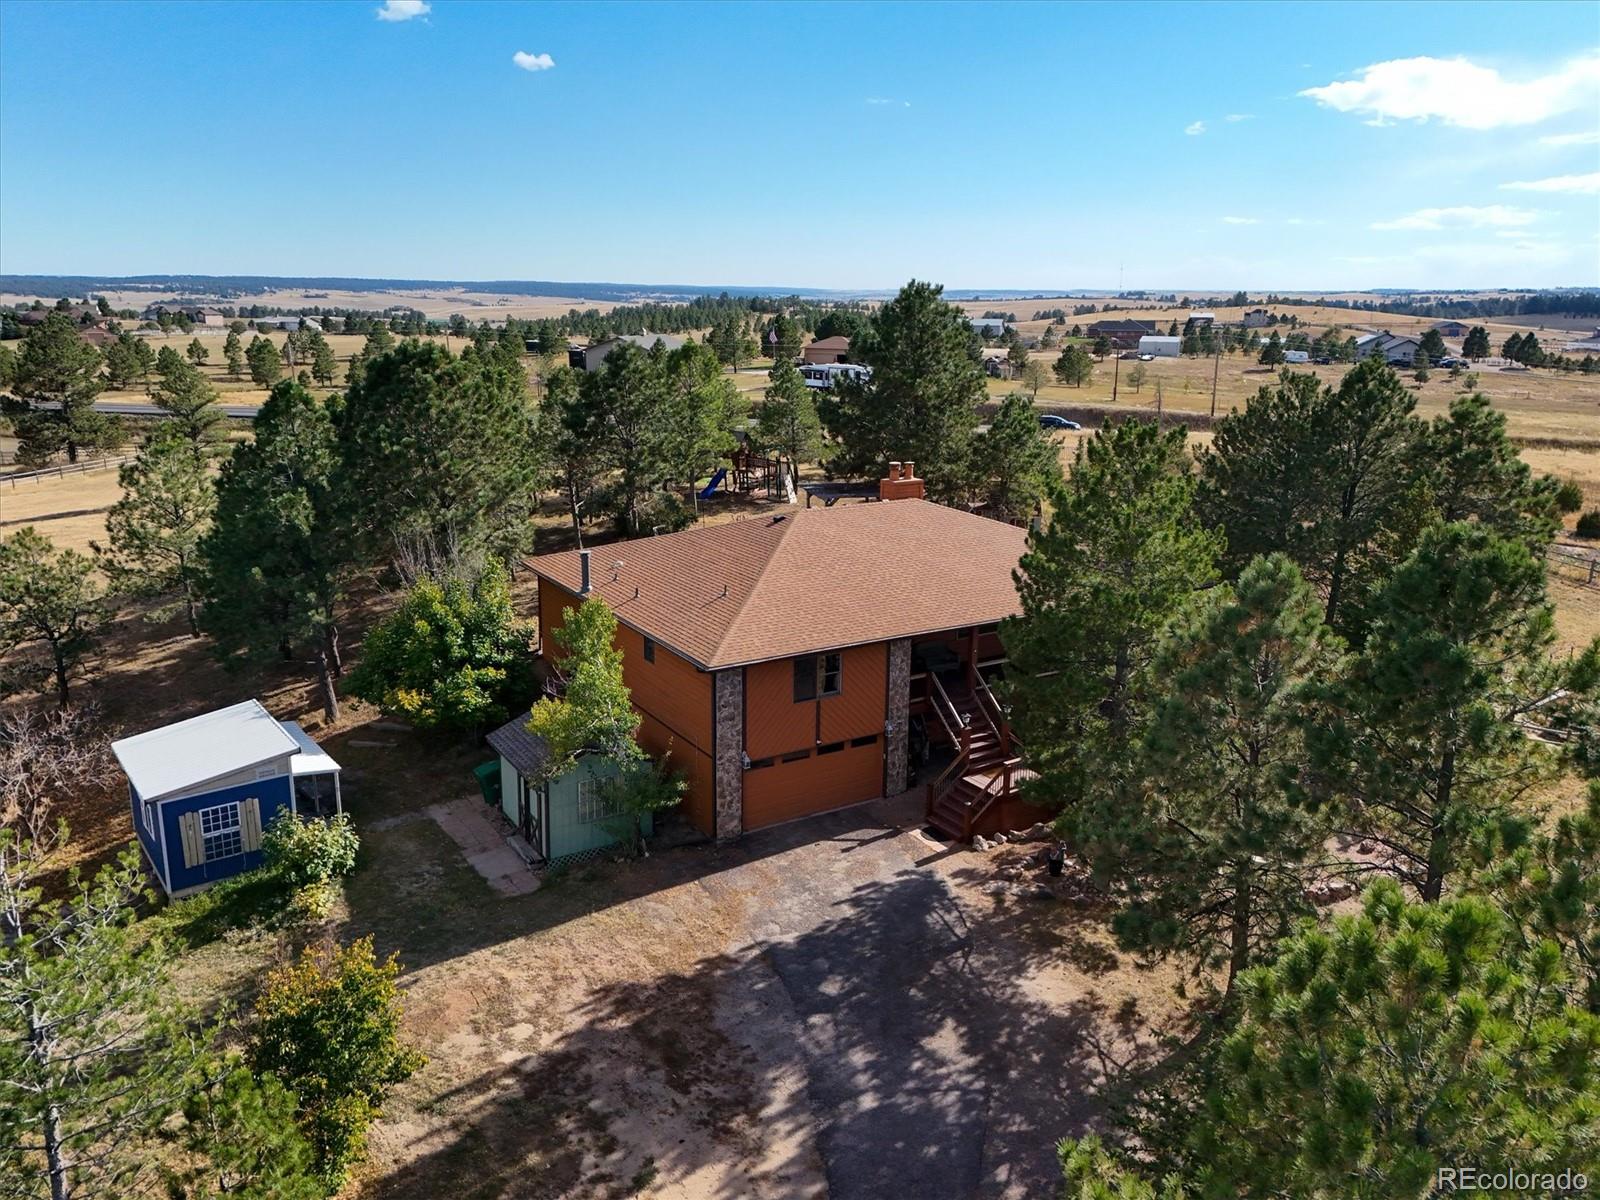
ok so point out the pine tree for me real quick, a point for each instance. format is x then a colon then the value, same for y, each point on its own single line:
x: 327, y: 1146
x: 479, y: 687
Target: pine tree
x: 1120, y: 556
x: 233, y: 352
x: 920, y: 404
x: 96, y: 1052
x: 125, y: 362
x: 242, y: 1143
x: 197, y: 352
x: 155, y: 528
x: 1272, y: 354
x: 191, y: 400
x: 266, y: 363
x: 1476, y: 345
x: 1511, y: 348
x: 1426, y: 745
x: 1407, y: 1040
x: 573, y: 443
x: 280, y: 546
x: 1015, y: 463
x: 1213, y: 863
x: 1074, y: 367
x: 51, y: 599
x: 1324, y: 475
x: 787, y: 420
x: 440, y: 452
x: 1477, y: 473
x: 53, y: 389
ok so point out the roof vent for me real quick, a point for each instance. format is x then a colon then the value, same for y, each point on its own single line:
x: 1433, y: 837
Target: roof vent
x: 583, y: 565
x: 779, y: 519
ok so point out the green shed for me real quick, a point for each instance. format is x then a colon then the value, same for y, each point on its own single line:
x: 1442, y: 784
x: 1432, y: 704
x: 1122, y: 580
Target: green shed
x: 561, y: 817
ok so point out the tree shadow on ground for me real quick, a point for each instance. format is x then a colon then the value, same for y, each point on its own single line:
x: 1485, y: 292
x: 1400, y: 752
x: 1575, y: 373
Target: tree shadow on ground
x: 890, y: 1049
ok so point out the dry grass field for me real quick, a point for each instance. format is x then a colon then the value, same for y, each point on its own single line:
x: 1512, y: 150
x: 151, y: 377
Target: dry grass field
x: 70, y: 510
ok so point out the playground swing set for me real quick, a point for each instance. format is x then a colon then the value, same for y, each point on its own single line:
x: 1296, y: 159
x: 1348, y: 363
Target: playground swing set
x: 749, y: 472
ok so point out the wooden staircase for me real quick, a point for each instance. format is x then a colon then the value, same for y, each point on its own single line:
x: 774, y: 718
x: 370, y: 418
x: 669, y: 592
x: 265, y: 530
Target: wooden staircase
x: 983, y: 772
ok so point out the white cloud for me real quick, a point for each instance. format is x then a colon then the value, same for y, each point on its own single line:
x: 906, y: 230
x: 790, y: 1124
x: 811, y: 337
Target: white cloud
x: 1462, y: 93
x: 1239, y: 117
x: 1461, y: 216
x: 888, y: 100
x: 1241, y: 221
x: 402, y: 10
x: 533, y: 62
x: 1196, y: 129
x: 1582, y: 185
x: 1591, y: 138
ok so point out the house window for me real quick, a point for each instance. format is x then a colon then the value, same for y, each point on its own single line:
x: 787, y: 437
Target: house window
x: 219, y: 826
x: 593, y: 804
x: 864, y: 741
x: 649, y: 650
x: 817, y: 675
x: 144, y: 813
x: 830, y: 748
x: 757, y: 764
x: 796, y: 756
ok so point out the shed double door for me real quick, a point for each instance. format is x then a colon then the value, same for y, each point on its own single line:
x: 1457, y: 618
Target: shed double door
x: 814, y: 784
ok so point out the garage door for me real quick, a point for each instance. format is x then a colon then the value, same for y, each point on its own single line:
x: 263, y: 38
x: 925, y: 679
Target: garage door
x: 816, y: 783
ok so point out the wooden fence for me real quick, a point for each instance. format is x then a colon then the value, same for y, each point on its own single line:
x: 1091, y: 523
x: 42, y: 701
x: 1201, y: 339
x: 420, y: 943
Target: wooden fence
x: 65, y: 469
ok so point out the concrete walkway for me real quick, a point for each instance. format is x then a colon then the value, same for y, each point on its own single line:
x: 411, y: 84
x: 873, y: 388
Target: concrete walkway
x: 475, y: 827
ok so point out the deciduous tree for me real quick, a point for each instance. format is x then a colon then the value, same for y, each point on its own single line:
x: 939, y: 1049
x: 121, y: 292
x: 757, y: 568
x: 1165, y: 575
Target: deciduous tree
x: 595, y: 713
x: 453, y: 656
x: 328, y: 1027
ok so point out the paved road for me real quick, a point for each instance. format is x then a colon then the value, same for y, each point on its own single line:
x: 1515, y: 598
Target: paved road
x: 245, y: 412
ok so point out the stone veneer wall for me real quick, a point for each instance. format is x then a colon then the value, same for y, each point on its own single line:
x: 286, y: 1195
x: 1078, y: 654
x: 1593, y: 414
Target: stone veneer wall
x: 727, y: 688
x: 897, y: 716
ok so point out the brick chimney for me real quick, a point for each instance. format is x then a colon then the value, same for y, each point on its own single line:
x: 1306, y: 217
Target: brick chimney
x: 901, y: 483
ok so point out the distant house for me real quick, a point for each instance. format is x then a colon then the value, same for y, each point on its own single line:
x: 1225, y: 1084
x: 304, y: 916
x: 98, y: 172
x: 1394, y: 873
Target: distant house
x: 827, y: 350
x: 988, y: 326
x: 1393, y: 347
x: 1124, y: 335
x: 202, y: 791
x: 1161, y: 347
x: 589, y: 358
x: 1452, y: 329
x: 195, y: 313
x: 1197, y: 321
x: 208, y: 316
x: 1256, y: 318
x: 562, y: 817
x: 79, y: 314
x: 289, y: 323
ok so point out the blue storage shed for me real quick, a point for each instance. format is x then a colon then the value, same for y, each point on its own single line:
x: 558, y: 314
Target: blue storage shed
x: 202, y: 791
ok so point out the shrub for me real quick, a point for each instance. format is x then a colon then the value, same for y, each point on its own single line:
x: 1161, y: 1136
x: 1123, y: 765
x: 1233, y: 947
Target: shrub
x: 308, y: 853
x: 1589, y: 524
x: 1569, y: 496
x: 328, y: 1027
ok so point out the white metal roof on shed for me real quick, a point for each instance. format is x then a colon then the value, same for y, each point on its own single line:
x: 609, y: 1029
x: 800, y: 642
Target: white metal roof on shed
x: 189, y: 753
x: 312, y: 759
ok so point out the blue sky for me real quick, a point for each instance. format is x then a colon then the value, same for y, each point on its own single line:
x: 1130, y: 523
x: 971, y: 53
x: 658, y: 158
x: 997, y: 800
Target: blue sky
x: 1289, y: 146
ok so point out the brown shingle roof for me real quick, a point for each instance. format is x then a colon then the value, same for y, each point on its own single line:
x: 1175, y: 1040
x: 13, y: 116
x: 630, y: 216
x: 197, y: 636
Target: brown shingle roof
x: 837, y: 342
x: 812, y: 579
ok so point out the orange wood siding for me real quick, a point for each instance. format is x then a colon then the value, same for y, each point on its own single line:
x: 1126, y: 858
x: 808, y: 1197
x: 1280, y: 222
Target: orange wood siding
x: 695, y: 766
x: 784, y: 791
x: 774, y: 724
x: 671, y: 695
x: 858, y: 709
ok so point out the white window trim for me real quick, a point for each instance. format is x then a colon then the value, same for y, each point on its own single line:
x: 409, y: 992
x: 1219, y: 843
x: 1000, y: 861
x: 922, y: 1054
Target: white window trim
x: 223, y: 814
x: 592, y: 808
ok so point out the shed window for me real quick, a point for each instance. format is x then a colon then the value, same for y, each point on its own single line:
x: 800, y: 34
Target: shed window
x: 649, y: 650
x: 817, y: 675
x: 219, y: 825
x: 593, y: 804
